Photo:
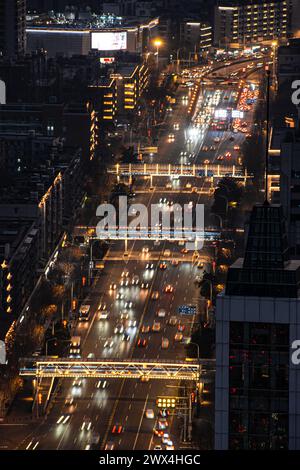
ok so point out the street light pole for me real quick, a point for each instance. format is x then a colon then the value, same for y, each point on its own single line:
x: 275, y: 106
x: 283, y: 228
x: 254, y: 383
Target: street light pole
x: 199, y: 371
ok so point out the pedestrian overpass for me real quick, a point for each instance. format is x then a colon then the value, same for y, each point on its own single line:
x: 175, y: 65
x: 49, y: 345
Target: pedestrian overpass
x: 48, y: 367
x: 179, y: 170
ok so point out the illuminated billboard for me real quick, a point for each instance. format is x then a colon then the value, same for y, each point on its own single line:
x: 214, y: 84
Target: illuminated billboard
x: 220, y: 114
x: 236, y: 114
x: 110, y: 41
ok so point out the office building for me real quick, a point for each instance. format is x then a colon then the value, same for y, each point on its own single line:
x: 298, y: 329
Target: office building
x: 288, y: 62
x: 239, y: 24
x: 196, y: 36
x: 12, y: 27
x: 257, y: 318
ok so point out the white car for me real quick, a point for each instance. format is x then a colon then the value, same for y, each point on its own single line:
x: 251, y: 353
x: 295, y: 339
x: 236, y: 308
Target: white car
x: 103, y: 315
x: 149, y: 414
x: 161, y: 313
x: 108, y: 343
x: 165, y: 438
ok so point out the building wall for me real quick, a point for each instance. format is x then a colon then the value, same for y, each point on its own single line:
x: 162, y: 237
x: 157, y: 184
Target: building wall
x: 290, y: 191
x: 66, y: 43
x: 12, y: 27
x: 260, y: 310
x: 242, y: 24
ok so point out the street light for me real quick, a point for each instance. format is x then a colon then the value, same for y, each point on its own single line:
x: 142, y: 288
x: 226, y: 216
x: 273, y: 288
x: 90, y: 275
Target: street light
x: 157, y: 43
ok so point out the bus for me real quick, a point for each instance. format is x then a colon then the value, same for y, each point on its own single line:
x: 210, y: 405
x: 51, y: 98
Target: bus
x: 84, y: 312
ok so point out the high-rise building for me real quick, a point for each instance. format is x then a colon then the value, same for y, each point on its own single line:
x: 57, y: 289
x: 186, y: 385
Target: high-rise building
x: 12, y: 27
x: 257, y: 319
x: 241, y: 23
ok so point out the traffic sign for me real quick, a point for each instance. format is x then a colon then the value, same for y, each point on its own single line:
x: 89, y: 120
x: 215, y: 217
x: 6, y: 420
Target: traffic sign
x: 187, y: 309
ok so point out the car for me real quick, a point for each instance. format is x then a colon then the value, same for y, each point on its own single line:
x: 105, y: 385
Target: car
x: 101, y: 384
x: 163, y: 413
x: 117, y: 429
x: 63, y: 419
x: 145, y: 249
x: 188, y: 186
x: 132, y: 323
x: 119, y: 329
x: 103, y: 315
x: 200, y: 265
x: 161, y: 313
x: 162, y: 423
x: 128, y: 304
x: 120, y: 296
x: 124, y: 282
x: 69, y: 401
x: 86, y: 425
x: 126, y: 337
x: 184, y: 251
x: 165, y: 343
x: 124, y: 315
x: 145, y: 329
x: 158, y: 432
x: 77, y: 383
x: 135, y: 280
x: 141, y: 343
x: 172, y: 321
x: 149, y: 413
x: 170, y: 446
x: 109, y: 446
x: 178, y: 337
x: 155, y: 295
x: 165, y: 438
x: 158, y: 447
x: 149, y: 266
x: 145, y: 285
x: 108, y: 343
x: 175, y: 262
x: 167, y: 253
x: 163, y: 266
x: 113, y: 286
x: 102, y: 306
x: 169, y: 289
x: 125, y: 274
x: 180, y: 327
x: 156, y: 327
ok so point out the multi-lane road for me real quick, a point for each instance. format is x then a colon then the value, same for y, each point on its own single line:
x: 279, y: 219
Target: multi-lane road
x: 116, y: 416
